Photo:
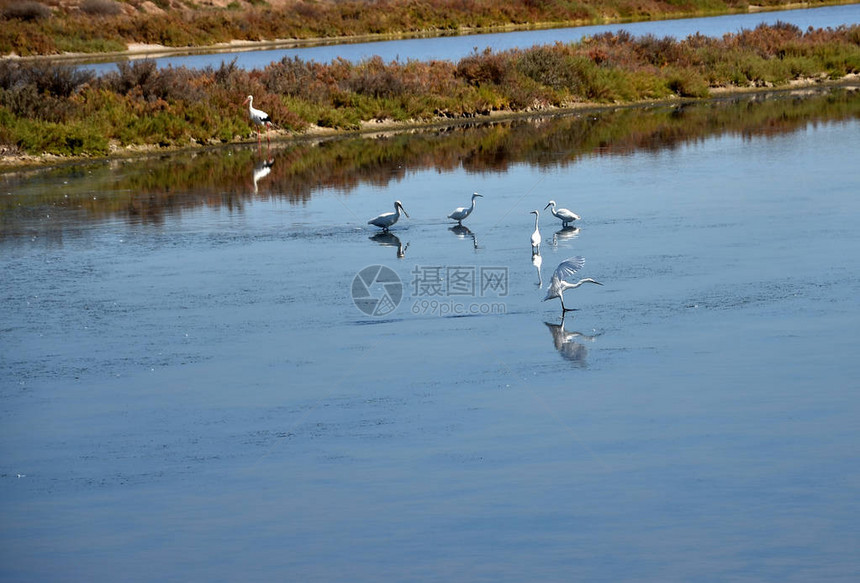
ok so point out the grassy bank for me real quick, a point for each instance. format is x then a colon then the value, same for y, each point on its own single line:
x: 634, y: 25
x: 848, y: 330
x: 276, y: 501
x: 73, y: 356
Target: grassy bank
x: 34, y: 27
x: 148, y: 188
x: 49, y: 108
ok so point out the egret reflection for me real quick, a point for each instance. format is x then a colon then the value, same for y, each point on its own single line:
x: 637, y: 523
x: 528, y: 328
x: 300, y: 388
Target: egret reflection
x: 566, y: 343
x: 463, y: 232
x: 564, y: 234
x: 537, y: 261
x: 261, y: 170
x: 389, y: 239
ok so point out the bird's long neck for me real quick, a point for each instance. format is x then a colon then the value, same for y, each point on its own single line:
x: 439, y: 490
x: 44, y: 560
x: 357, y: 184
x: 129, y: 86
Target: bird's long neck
x: 565, y: 285
x: 250, y: 103
x: 536, y: 222
x: 397, y: 210
x: 474, y: 200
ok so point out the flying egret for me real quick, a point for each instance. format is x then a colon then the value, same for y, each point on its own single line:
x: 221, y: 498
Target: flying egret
x: 260, y: 118
x: 558, y: 285
x: 536, y: 235
x: 462, y: 212
x: 565, y: 215
x: 385, y: 220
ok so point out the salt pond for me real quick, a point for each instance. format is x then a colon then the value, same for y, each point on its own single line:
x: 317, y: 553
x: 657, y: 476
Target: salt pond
x: 188, y: 386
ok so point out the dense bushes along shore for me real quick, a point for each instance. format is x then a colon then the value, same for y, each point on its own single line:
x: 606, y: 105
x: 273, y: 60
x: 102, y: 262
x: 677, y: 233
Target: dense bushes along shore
x: 49, y: 108
x: 32, y: 27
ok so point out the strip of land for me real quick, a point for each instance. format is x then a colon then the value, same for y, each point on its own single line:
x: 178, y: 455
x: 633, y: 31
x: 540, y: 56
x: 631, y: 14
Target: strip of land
x: 51, y: 111
x: 73, y: 27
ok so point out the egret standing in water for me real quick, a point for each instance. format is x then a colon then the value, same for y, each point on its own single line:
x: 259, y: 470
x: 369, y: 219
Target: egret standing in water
x: 565, y: 215
x: 461, y: 213
x: 536, y: 235
x: 385, y: 220
x: 559, y: 285
x: 260, y: 118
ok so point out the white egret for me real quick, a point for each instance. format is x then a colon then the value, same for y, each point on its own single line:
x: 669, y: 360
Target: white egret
x: 462, y: 212
x: 559, y: 285
x: 260, y: 118
x: 565, y: 215
x: 536, y: 235
x: 385, y: 220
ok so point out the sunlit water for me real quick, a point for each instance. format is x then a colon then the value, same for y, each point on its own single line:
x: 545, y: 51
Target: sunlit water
x: 197, y: 392
x: 456, y: 47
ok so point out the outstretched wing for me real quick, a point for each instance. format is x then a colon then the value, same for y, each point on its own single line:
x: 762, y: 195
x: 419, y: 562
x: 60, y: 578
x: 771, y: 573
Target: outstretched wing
x: 568, y: 267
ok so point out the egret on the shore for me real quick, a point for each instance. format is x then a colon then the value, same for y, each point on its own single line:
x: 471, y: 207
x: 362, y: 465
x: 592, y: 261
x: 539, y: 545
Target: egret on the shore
x: 559, y: 285
x: 260, y: 118
x: 565, y: 215
x: 462, y: 212
x: 536, y: 235
x: 385, y: 220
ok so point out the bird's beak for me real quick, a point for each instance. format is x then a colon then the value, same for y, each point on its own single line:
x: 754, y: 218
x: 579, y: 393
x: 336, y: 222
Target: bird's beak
x: 598, y: 283
x: 404, y: 212
x: 245, y: 102
x: 546, y: 207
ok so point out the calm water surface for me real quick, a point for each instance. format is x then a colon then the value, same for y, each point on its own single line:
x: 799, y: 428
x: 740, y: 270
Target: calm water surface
x: 186, y: 381
x: 454, y: 48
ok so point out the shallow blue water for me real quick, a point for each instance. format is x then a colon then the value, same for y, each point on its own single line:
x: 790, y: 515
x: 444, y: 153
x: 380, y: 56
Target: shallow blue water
x: 202, y: 394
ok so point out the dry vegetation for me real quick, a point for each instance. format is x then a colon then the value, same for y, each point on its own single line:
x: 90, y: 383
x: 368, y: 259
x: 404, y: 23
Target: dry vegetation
x: 45, y: 27
x: 51, y: 108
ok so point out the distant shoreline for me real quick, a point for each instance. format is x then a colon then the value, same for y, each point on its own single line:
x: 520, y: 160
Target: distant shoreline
x: 142, y: 50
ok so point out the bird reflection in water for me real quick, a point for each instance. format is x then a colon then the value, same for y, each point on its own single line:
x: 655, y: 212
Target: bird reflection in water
x: 261, y: 170
x: 463, y: 232
x: 566, y: 343
x: 389, y: 239
x: 564, y: 234
x: 537, y: 261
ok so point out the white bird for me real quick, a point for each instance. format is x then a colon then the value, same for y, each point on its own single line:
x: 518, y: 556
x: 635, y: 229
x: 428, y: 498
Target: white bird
x: 536, y: 235
x: 559, y: 285
x: 260, y: 118
x: 385, y: 220
x: 462, y: 212
x: 565, y: 215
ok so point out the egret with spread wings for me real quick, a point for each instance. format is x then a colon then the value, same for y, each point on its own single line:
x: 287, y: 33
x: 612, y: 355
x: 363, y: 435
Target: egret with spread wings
x: 559, y: 283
